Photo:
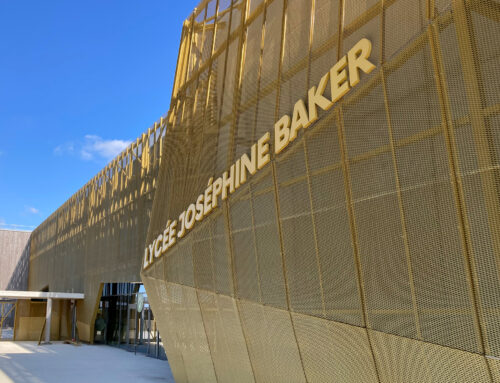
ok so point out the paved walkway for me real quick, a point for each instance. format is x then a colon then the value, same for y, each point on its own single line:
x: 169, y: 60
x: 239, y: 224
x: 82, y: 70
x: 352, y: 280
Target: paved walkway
x: 22, y: 362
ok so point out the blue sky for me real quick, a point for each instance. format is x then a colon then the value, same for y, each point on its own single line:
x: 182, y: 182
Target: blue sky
x: 78, y: 81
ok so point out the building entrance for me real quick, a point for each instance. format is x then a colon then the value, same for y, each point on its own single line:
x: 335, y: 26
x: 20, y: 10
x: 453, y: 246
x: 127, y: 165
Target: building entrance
x: 124, y: 319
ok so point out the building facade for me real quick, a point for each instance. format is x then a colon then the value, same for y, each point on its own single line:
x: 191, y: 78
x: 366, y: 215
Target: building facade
x: 14, y: 262
x: 14, y: 259
x: 95, y: 236
x: 328, y: 204
x: 323, y: 199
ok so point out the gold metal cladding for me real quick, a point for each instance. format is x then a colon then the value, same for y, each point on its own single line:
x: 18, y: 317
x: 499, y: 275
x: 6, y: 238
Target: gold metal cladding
x: 396, y: 173
x: 390, y: 65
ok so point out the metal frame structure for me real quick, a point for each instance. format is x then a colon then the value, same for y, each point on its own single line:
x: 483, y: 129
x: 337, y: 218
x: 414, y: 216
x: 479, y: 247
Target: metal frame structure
x: 49, y: 296
x: 442, y: 31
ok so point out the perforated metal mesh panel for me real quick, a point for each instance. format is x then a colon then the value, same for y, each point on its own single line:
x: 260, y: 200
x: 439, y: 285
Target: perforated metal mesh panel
x: 369, y: 249
x: 95, y: 236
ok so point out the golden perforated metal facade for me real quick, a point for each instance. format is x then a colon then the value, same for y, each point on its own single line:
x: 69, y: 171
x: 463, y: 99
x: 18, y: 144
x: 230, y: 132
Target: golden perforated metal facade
x: 369, y: 249
x: 95, y: 236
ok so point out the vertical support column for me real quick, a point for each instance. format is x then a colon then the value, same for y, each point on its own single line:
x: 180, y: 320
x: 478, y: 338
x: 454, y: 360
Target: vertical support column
x: 135, y: 329
x: 15, y: 322
x: 157, y: 345
x: 127, y: 334
x: 73, y: 320
x: 119, y: 319
x: 141, y: 328
x: 1, y: 321
x: 48, y: 317
x: 149, y: 328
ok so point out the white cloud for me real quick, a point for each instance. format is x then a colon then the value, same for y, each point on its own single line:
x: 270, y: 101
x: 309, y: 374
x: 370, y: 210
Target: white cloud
x: 67, y: 148
x: 13, y: 226
x: 92, y: 147
x: 32, y: 210
x: 107, y: 149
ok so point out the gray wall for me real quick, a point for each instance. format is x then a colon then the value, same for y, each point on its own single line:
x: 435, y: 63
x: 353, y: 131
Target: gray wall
x: 14, y: 259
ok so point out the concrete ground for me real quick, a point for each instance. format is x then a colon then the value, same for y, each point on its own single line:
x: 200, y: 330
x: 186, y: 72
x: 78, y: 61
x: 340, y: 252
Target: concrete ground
x: 64, y: 363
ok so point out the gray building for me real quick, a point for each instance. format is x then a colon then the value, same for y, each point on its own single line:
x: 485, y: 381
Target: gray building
x: 14, y: 266
x: 14, y: 259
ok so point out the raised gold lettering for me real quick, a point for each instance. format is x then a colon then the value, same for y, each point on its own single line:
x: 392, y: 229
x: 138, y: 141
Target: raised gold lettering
x: 157, y: 247
x: 182, y: 232
x: 207, y: 204
x: 217, y: 189
x: 281, y: 133
x: 237, y: 175
x: 190, y: 213
x: 358, y: 59
x: 228, y: 182
x: 342, y: 77
x: 172, y: 234
x: 315, y: 98
x: 300, y: 119
x: 165, y: 246
x: 145, y: 263
x: 199, y: 207
x: 263, y: 156
x: 248, y: 164
x: 338, y: 80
